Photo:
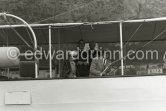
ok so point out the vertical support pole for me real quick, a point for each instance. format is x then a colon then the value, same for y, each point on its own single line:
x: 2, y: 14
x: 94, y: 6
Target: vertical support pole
x: 50, y: 52
x: 121, y: 48
x: 36, y: 68
x: 59, y: 48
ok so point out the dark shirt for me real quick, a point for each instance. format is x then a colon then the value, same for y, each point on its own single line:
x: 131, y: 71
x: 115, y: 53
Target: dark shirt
x: 85, y: 57
x: 83, y: 64
x: 92, y: 55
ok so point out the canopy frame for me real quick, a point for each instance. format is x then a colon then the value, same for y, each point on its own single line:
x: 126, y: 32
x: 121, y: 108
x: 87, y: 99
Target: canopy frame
x: 33, y: 34
x: 77, y: 24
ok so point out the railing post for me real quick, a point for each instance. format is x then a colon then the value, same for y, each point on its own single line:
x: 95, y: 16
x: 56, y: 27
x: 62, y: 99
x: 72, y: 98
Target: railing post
x: 121, y: 48
x: 50, y: 52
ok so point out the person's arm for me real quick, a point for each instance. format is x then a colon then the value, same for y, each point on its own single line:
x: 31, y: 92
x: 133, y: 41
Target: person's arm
x: 108, y: 71
x: 93, y: 69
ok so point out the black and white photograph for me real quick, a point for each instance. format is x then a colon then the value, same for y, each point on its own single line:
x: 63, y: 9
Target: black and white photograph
x: 82, y: 55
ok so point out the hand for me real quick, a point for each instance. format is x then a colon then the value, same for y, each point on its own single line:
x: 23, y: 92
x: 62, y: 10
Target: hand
x: 102, y: 74
x: 105, y: 74
x: 74, y: 76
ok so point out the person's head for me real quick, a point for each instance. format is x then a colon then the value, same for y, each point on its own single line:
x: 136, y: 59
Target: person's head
x: 106, y: 53
x: 73, y: 55
x: 92, y: 45
x: 81, y: 44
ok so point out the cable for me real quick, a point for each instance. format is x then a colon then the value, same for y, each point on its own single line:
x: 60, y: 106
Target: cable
x: 155, y: 37
x: 18, y: 34
x: 134, y: 33
x: 21, y: 38
x: 137, y: 50
x: 3, y: 35
x: 29, y: 35
x: 79, y: 7
x: 81, y: 34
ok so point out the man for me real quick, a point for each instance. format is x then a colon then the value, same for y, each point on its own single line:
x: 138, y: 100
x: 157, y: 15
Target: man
x: 92, y: 51
x: 98, y: 65
x: 82, y: 62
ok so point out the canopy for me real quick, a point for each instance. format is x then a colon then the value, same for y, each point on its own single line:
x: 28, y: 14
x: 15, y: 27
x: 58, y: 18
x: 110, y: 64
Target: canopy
x: 103, y: 32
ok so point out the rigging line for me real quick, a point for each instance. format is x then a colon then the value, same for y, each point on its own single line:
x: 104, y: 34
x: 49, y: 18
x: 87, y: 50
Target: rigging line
x: 79, y: 7
x: 154, y: 31
x: 133, y: 34
x: 131, y: 38
x: 134, y: 52
x: 138, y: 29
x: 81, y: 34
x: 22, y: 38
x: 155, y: 37
x: 18, y: 34
x: 2, y: 36
x: 7, y: 43
x: 29, y: 35
x: 7, y: 38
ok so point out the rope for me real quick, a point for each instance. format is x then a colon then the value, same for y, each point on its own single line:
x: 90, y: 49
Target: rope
x: 137, y: 50
x: 7, y: 40
x: 81, y: 34
x: 18, y: 34
x: 79, y: 7
x: 3, y: 35
x: 155, y: 38
x: 29, y: 35
x: 21, y: 38
x: 133, y: 34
